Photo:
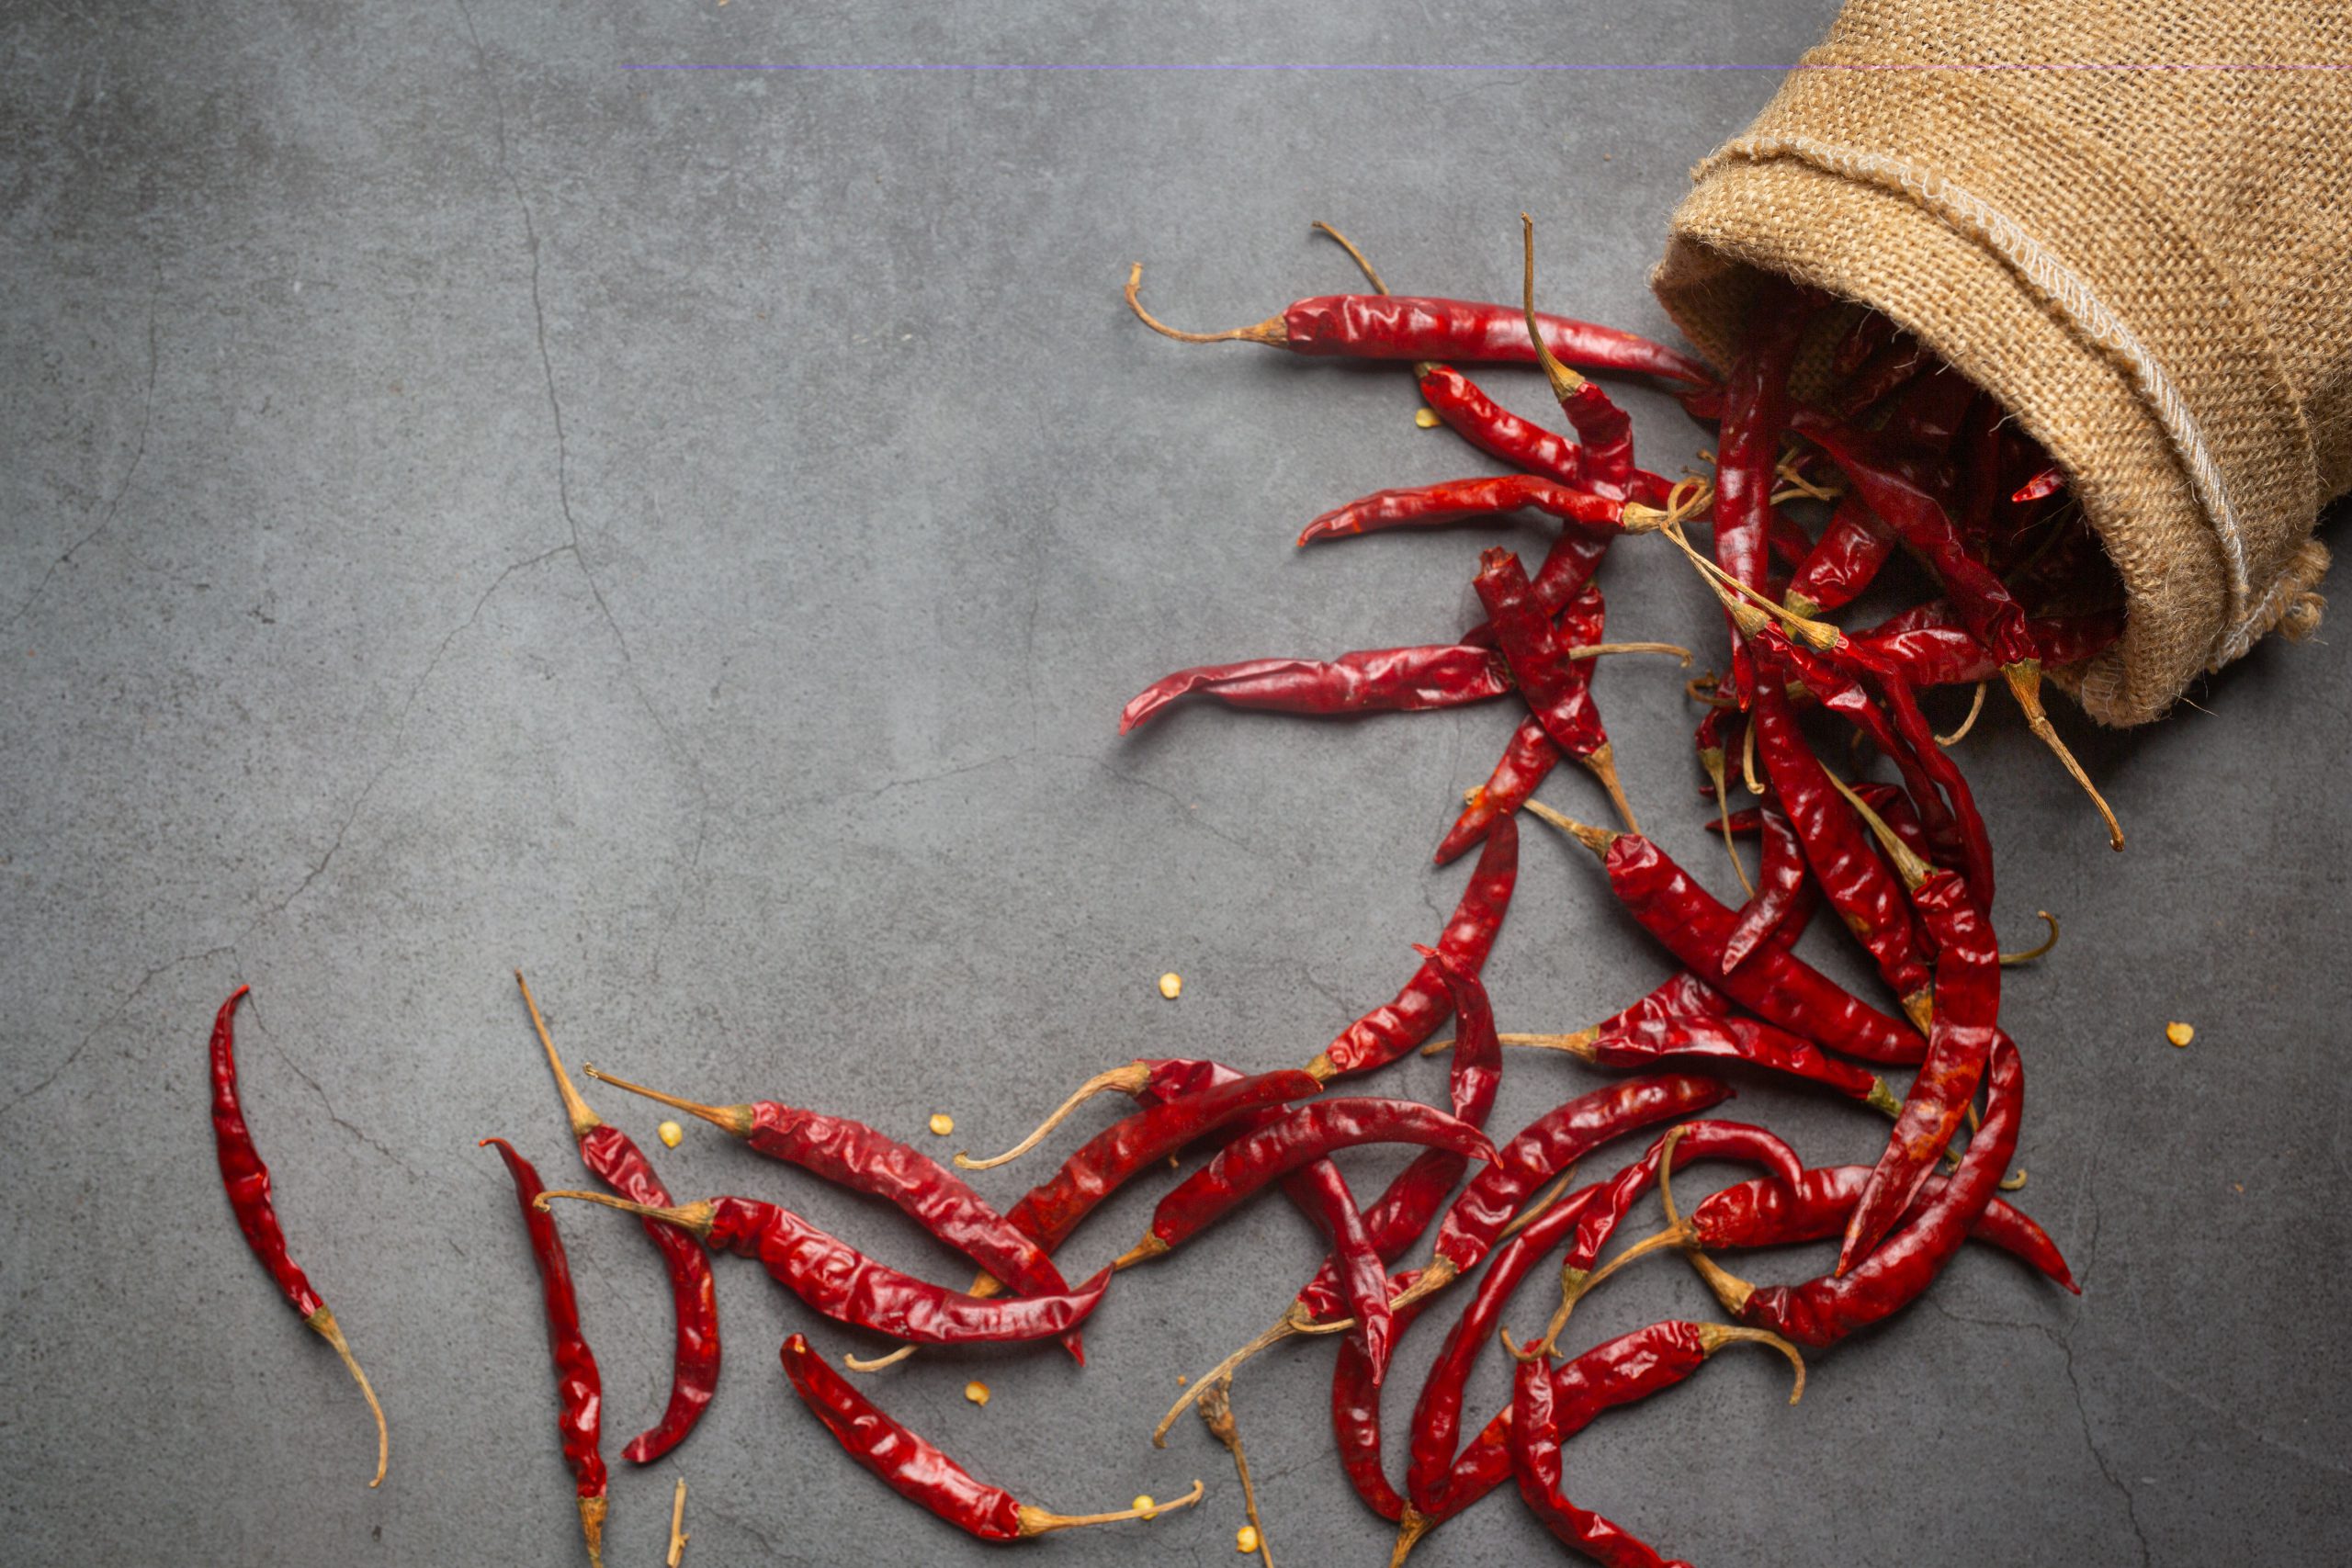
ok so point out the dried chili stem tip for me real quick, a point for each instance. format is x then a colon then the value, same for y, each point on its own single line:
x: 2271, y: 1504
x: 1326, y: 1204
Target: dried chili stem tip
x: 1603, y: 650
x: 1270, y: 330
x: 592, y: 1527
x: 1293, y: 1322
x: 1038, y: 1521
x: 739, y: 1120
x: 878, y: 1363
x: 1217, y: 1412
x: 1713, y: 1336
x: 1128, y: 1079
x: 2009, y: 960
x: 1411, y: 1525
x: 322, y: 1323
x: 1602, y: 763
x: 1975, y: 707
x: 1565, y: 383
x: 2025, y: 684
x: 678, y: 1536
x: 694, y: 1217
x: 1370, y: 273
x: 574, y: 1107
x: 1597, y: 839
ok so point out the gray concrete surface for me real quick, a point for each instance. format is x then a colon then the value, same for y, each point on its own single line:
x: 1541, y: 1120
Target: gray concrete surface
x: 469, y: 505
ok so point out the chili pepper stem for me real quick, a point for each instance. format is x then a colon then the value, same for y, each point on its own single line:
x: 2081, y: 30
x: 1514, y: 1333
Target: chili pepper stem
x: 1143, y: 1251
x: 735, y: 1119
x: 1128, y: 1079
x: 1217, y: 1412
x: 322, y: 1323
x: 678, y: 1537
x: 1919, y: 1007
x: 1411, y: 1525
x: 583, y: 1119
x: 2025, y: 684
x: 1564, y: 381
x: 1713, y: 1336
x: 1975, y: 707
x: 1712, y: 759
x: 879, y: 1363
x: 2030, y: 954
x: 1270, y: 330
x: 1907, y: 863
x: 694, y: 1217
x: 1680, y: 1237
x: 592, y: 1527
x: 1882, y: 1099
x: 1597, y: 839
x: 1370, y: 273
x: 1604, y: 649
x: 1283, y: 1327
x: 1038, y: 1521
x: 1440, y: 1273
x: 1602, y: 764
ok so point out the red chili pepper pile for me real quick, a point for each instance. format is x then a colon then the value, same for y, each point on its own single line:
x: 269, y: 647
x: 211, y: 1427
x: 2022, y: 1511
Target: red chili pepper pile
x: 1905, y: 454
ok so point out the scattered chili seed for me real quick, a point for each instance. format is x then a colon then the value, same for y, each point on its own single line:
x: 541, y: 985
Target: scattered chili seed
x: 1245, y: 1539
x: 942, y: 1123
x: 2180, y: 1033
x: 670, y: 1133
x: 977, y: 1392
x: 1428, y: 420
x: 1172, y: 984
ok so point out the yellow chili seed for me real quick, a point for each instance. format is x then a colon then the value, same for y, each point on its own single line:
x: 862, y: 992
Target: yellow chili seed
x: 977, y: 1392
x: 1172, y: 984
x: 1144, y: 1506
x: 941, y: 1122
x: 1427, y: 418
x: 2179, y: 1033
x: 669, y: 1133
x: 1245, y: 1539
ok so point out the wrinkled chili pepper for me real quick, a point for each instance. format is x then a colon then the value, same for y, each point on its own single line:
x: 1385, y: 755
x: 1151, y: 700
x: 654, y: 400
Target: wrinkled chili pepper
x: 1742, y: 1040
x: 1397, y: 1026
x: 1768, y: 1211
x: 1359, y: 1272
x: 1777, y: 985
x: 1845, y: 560
x: 1384, y: 679
x: 1531, y: 752
x: 1785, y: 894
x: 1462, y: 501
x: 2047, y: 480
x: 1687, y: 1142
x: 1755, y: 413
x: 851, y: 1154
x: 1558, y: 695
x: 1535, y: 1463
x: 578, y: 1387
x: 614, y: 1158
x: 1401, y: 326
x: 246, y: 1180
x: 1603, y: 427
x: 1932, y: 651
x: 915, y: 1470
x: 848, y: 1287
x: 1305, y: 1134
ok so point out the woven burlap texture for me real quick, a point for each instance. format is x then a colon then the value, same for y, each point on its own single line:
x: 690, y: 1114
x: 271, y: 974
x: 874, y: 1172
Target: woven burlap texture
x: 2150, y: 268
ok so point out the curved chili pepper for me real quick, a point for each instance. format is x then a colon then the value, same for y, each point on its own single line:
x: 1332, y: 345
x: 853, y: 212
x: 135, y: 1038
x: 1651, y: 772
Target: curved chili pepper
x: 1357, y: 1269
x: 1599, y: 423
x: 848, y: 1287
x: 1785, y: 895
x: 614, y: 1158
x: 920, y: 1472
x: 2047, y: 480
x: 246, y: 1180
x: 578, y: 1384
x: 1397, y: 1026
x: 1742, y: 1040
x: 1845, y: 863
x: 854, y: 1156
x: 1300, y: 1137
x: 1755, y: 413
x: 1967, y: 1021
x: 1461, y: 501
x: 1535, y: 1460
x: 1769, y: 1212
x: 1846, y: 560
x: 1531, y: 752
x: 1355, y: 1420
x: 1493, y: 429
x: 1776, y: 985
x: 1824, y: 1311
x: 1557, y: 694
x: 1933, y: 651
x: 1384, y: 679
x: 1403, y: 326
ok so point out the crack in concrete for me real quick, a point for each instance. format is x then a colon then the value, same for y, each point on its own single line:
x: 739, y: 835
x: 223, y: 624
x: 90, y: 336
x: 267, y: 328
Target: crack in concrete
x: 116, y: 1017
x: 139, y: 451
x: 314, y: 1085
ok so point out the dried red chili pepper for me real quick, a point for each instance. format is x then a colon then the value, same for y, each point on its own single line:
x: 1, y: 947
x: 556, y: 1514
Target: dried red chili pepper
x: 1742, y: 1040
x: 853, y: 1154
x: 1847, y: 866
x: 1358, y: 1273
x: 1769, y: 1212
x: 1777, y: 985
x: 847, y: 1286
x: 1934, y: 651
x: 2048, y: 480
x: 1755, y: 413
x: 1463, y: 501
x: 1967, y: 1021
x: 920, y: 1472
x: 1600, y: 425
x: 246, y: 1180
x: 578, y: 1387
x: 1307, y: 1134
x: 1845, y: 560
x: 1531, y: 752
x: 1397, y: 1026
x: 1401, y: 326
x: 1355, y: 1422
x: 1386, y: 680
x: 614, y: 1158
x: 1785, y: 894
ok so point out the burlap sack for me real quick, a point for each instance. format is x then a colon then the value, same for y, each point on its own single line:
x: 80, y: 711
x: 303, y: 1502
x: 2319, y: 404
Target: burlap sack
x: 2152, y: 269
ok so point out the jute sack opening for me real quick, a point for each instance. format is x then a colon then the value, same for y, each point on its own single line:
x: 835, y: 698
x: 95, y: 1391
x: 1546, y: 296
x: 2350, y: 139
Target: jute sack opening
x: 2150, y: 268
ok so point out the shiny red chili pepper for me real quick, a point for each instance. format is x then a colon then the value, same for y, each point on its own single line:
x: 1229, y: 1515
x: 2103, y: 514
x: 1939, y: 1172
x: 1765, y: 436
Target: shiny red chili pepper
x: 1756, y: 409
x: 578, y: 1387
x: 848, y: 1287
x: 1493, y: 429
x: 1785, y: 894
x: 1824, y: 1311
x: 1930, y: 651
x: 1846, y: 864
x: 1558, y: 695
x: 1403, y: 326
x: 1769, y: 1212
x: 1355, y: 1420
x: 920, y: 1472
x: 1462, y: 501
x: 1689, y: 1141
x: 1846, y: 560
x: 1532, y: 754
x: 1358, y: 1271
x: 1743, y: 1039
x: 1305, y: 1134
x: 1384, y: 679
x: 854, y: 1156
x: 614, y: 1158
x: 246, y: 1180
x: 2047, y: 480
x: 1397, y: 1026
x: 1535, y: 1461
x: 1776, y: 985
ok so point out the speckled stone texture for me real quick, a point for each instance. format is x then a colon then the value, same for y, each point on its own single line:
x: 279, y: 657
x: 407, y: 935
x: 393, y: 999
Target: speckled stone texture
x: 466, y: 504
